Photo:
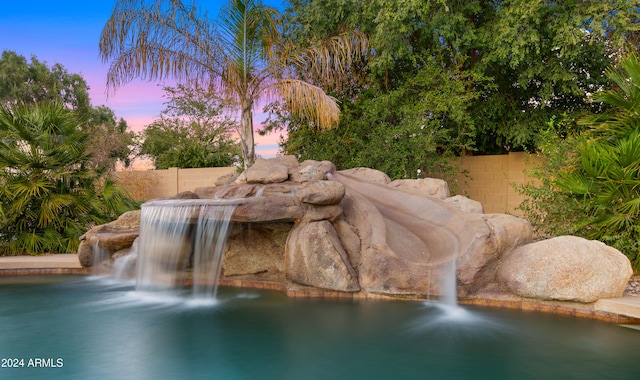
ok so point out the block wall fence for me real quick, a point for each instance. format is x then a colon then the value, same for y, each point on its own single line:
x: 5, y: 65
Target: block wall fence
x: 488, y: 180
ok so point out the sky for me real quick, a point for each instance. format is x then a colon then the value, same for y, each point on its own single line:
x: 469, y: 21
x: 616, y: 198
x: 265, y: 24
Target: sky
x: 68, y: 31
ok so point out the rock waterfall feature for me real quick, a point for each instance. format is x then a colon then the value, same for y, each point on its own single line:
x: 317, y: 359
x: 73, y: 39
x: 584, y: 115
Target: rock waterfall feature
x: 354, y: 231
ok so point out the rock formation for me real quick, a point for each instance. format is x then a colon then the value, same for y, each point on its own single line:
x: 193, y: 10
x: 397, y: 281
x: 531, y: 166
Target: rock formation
x: 356, y: 231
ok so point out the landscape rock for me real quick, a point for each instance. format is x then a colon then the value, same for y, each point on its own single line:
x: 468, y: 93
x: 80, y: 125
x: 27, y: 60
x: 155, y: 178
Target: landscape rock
x: 315, y: 257
x: 431, y: 187
x: 566, y: 268
x: 277, y: 208
x: 85, y: 254
x: 267, y: 171
x: 321, y: 192
x: 311, y: 170
x: 465, y: 204
x: 114, y: 235
x: 355, y: 230
x: 500, y: 235
x: 369, y: 175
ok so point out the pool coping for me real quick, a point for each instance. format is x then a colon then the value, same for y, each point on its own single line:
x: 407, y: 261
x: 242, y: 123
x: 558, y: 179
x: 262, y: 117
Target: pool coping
x: 618, y: 310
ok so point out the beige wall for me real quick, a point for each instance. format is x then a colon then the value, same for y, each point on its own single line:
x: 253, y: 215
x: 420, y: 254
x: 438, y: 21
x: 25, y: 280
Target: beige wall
x: 489, y: 180
x: 150, y: 184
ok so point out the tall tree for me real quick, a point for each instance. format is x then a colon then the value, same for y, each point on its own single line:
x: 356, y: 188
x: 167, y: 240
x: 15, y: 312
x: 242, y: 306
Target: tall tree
x: 34, y: 82
x: 191, y: 132
x: 528, y: 60
x: 239, y: 55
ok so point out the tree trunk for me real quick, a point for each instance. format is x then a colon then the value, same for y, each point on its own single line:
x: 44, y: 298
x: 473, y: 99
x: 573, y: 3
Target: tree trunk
x: 246, y: 133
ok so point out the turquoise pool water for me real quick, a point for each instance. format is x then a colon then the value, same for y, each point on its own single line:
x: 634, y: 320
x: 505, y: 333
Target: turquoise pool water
x: 93, y: 328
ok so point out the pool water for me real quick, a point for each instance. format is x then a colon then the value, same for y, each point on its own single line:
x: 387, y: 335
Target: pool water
x: 96, y: 328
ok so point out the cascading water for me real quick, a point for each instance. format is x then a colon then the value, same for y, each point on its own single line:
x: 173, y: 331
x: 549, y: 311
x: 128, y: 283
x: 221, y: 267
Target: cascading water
x: 174, y: 231
x: 448, y: 289
x: 100, y: 255
x: 210, y: 237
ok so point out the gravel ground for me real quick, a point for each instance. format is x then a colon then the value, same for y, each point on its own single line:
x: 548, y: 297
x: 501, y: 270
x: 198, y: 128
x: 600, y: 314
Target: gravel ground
x: 633, y: 288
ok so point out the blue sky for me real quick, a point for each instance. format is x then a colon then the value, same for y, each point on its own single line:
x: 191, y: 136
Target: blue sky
x: 67, y: 32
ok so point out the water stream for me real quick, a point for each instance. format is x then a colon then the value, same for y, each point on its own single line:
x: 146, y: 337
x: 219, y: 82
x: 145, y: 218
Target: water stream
x: 177, y: 234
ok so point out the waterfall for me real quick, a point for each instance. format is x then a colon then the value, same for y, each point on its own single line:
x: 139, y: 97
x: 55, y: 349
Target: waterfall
x: 100, y: 255
x: 210, y: 238
x: 175, y: 232
x: 448, y: 287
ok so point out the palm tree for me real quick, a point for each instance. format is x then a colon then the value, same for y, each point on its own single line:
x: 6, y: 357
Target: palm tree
x: 48, y: 196
x: 607, y: 171
x: 240, y: 55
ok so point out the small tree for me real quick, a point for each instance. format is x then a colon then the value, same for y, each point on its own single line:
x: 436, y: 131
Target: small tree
x: 109, y: 141
x: 23, y: 82
x: 191, y: 132
x: 48, y: 195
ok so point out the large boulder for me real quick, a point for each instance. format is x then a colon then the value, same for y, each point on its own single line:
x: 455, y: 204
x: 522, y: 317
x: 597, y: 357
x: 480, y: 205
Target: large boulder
x: 315, y: 257
x: 277, y: 208
x: 566, y: 268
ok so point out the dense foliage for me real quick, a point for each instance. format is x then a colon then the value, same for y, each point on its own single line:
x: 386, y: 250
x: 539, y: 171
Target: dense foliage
x: 191, y: 132
x: 23, y: 82
x: 509, y: 67
x: 48, y: 194
x: 590, y: 184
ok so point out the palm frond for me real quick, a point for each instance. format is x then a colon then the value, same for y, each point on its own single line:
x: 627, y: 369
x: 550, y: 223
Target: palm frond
x: 158, y: 39
x: 311, y: 101
x: 248, y: 29
x: 330, y: 61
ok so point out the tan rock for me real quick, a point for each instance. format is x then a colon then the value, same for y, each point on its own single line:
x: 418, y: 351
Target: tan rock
x: 500, y: 235
x: 277, y: 208
x: 317, y: 213
x: 315, y: 257
x: 85, y: 254
x: 321, y: 192
x: 370, y: 175
x: 350, y: 240
x: 430, y: 187
x: 566, y: 268
x: 465, y: 204
x: 311, y: 170
x: 267, y: 171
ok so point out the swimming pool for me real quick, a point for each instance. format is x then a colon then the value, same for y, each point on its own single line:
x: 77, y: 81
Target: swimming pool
x: 79, y: 327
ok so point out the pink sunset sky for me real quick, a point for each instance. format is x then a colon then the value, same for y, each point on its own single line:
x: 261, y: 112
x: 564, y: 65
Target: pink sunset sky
x: 68, y: 31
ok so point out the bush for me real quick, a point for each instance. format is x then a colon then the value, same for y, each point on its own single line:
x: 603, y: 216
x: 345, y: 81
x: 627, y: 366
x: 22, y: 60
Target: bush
x: 48, y: 196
